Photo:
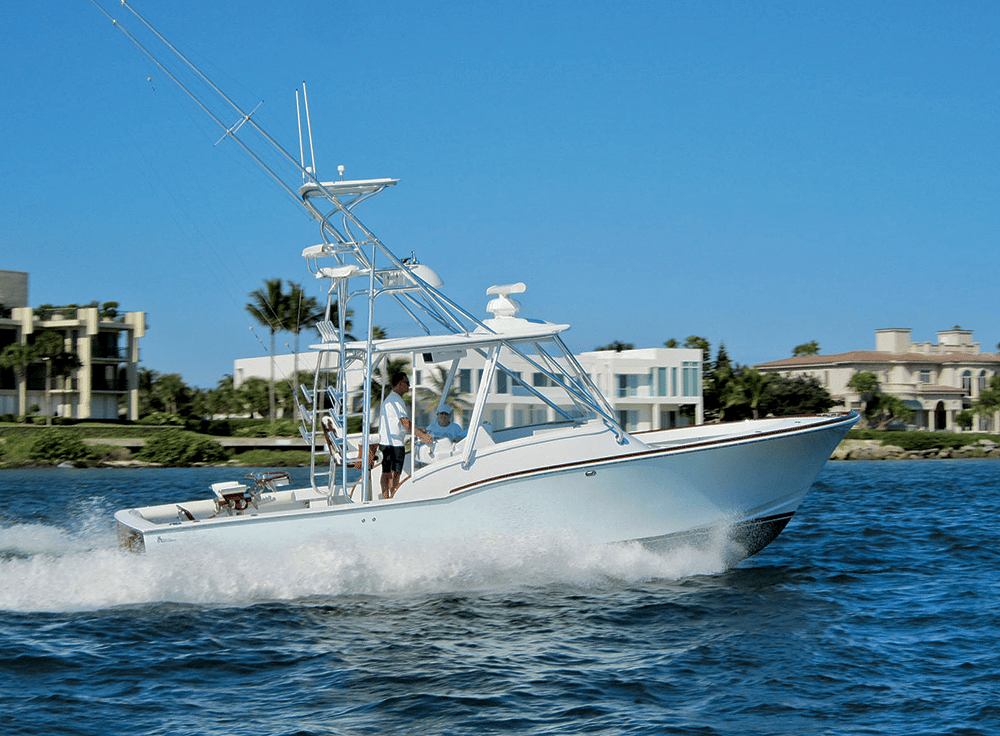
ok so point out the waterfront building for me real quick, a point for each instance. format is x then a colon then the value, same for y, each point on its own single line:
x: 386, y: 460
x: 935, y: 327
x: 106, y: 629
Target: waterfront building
x: 649, y: 388
x: 935, y: 380
x: 104, y: 340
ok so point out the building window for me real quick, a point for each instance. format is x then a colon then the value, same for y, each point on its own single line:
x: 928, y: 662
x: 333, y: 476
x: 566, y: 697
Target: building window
x: 982, y: 381
x: 465, y: 381
x: 541, y: 380
x: 690, y: 369
x: 628, y: 419
x: 967, y: 382
x: 661, y: 381
x: 498, y: 419
x: 673, y: 381
x: 667, y: 419
x: 925, y: 376
x: 621, y: 380
x: 629, y: 384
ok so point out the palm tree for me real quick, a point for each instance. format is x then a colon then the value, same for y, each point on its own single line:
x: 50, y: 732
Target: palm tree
x: 754, y: 383
x: 223, y: 399
x: 382, y: 381
x: 430, y: 398
x: 51, y: 350
x: 270, y: 307
x: 146, y: 378
x: 170, y: 390
x: 303, y: 311
x: 19, y: 357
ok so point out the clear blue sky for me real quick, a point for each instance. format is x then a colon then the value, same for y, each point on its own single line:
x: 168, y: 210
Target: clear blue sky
x: 762, y: 174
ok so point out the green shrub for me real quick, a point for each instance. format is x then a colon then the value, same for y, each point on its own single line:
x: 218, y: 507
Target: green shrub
x: 57, y: 446
x: 174, y: 447
x: 107, y: 453
x: 914, y: 440
x: 218, y: 428
x: 15, y: 449
x: 923, y: 440
x: 280, y: 428
x: 272, y: 458
x: 162, y: 418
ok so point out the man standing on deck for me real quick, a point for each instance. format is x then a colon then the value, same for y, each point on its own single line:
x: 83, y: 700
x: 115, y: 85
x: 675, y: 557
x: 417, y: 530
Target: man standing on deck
x: 393, y: 426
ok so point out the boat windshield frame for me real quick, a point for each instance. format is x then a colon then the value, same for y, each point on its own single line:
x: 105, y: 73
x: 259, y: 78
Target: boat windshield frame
x: 359, y: 268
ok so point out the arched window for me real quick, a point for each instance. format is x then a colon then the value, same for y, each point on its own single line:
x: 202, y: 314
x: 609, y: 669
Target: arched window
x: 982, y: 380
x: 967, y: 382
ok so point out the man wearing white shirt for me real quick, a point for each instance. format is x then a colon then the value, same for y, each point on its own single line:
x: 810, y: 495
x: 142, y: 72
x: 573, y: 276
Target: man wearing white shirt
x: 393, y: 426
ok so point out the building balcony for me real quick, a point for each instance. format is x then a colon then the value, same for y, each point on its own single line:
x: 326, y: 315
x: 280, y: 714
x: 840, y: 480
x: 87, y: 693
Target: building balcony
x: 104, y: 353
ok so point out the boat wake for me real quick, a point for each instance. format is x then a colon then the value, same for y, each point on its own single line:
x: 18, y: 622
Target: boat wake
x: 44, y: 568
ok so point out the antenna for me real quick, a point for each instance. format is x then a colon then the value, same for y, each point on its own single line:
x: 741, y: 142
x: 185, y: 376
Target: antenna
x: 302, y: 155
x: 340, y: 170
x: 312, y: 151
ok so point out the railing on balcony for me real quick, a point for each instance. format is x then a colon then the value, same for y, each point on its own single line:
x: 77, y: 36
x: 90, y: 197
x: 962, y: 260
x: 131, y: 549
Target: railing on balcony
x: 101, y: 352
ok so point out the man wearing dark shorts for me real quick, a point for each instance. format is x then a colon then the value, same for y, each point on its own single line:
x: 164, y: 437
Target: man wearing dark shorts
x: 393, y: 426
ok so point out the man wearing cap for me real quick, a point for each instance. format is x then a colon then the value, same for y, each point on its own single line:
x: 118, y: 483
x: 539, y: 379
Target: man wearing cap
x: 445, y: 427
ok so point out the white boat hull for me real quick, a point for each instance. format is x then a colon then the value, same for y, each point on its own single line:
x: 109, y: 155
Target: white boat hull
x: 688, y: 486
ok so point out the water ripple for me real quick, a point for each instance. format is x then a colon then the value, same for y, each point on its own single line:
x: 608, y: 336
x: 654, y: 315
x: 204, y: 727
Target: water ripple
x: 874, y: 613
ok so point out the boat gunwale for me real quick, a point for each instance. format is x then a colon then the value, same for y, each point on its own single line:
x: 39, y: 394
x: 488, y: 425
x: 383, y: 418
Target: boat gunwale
x: 677, y: 449
x: 475, y: 486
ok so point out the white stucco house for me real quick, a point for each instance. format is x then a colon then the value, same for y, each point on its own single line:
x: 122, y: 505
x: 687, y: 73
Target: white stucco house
x: 936, y: 380
x: 649, y: 388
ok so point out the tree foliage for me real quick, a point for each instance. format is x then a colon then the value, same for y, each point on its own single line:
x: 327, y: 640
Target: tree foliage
x: 430, y: 398
x: 806, y: 348
x: 618, y: 346
x: 989, y: 398
x: 965, y: 419
x: 46, y: 347
x: 865, y: 383
x: 880, y: 409
x: 784, y: 396
x: 732, y: 392
x: 18, y: 357
x: 254, y: 393
x: 269, y: 307
x: 755, y: 384
x: 56, y: 446
x: 174, y: 447
x: 170, y: 392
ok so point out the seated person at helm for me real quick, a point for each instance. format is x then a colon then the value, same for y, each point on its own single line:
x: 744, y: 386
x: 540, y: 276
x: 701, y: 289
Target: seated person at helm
x: 445, y: 427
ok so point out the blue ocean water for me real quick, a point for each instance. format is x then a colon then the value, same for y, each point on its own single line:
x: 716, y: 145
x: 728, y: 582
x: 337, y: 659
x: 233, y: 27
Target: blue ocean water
x: 875, y: 612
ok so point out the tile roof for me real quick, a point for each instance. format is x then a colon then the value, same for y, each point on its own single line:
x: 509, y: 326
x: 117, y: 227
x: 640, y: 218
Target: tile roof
x: 877, y: 356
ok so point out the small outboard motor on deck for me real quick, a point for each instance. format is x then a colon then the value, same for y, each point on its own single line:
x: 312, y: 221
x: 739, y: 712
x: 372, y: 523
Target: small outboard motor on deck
x: 234, y: 497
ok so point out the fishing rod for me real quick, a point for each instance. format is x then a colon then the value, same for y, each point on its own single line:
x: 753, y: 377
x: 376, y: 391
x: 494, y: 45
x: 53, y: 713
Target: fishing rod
x: 436, y: 305
x: 230, y: 131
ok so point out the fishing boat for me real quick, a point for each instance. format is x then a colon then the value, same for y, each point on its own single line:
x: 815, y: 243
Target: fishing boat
x: 573, y: 470
x: 581, y: 473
